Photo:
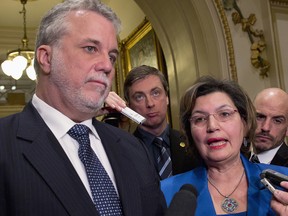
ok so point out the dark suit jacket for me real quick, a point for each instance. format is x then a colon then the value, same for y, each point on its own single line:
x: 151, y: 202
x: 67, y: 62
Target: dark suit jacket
x: 37, y: 178
x: 182, y: 161
x: 281, y: 157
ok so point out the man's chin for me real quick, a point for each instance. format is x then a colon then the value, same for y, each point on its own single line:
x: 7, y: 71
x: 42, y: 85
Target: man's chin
x: 95, y: 104
x: 263, y: 146
x: 151, y: 124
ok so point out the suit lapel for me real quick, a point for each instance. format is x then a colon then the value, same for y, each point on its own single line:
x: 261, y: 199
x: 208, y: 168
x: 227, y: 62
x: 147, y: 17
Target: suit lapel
x: 45, y: 154
x: 122, y: 166
x: 178, y: 151
x: 281, y: 157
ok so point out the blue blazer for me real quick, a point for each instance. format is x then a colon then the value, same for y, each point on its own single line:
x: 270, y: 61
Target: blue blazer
x: 258, y: 196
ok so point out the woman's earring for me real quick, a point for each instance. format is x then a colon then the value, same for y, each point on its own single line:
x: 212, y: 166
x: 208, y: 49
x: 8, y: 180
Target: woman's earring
x: 245, y: 142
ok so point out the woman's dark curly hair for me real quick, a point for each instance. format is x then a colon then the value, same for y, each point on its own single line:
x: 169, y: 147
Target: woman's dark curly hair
x: 207, y: 85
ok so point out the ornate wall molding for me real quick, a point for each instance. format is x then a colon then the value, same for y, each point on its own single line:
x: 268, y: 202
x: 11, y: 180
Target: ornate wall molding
x: 228, y: 39
x: 256, y: 37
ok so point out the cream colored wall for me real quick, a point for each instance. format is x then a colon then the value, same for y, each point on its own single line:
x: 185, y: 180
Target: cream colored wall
x: 248, y: 76
x: 279, y: 14
x: 125, y: 9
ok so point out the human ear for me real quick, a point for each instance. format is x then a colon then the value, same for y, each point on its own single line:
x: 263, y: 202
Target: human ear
x: 44, y: 58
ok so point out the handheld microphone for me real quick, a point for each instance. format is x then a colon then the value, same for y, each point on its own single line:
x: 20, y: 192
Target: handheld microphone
x: 184, y: 202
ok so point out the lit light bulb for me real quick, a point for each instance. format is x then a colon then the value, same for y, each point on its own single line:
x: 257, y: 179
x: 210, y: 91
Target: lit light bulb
x: 17, y: 73
x: 8, y: 67
x: 31, y: 72
x: 20, y: 61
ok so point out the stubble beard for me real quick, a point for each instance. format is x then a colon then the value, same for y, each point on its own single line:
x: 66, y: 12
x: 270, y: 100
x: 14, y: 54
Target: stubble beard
x: 75, y: 96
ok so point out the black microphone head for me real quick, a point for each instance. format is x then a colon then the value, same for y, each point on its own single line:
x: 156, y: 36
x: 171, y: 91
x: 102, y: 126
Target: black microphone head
x: 184, y: 202
x: 190, y: 188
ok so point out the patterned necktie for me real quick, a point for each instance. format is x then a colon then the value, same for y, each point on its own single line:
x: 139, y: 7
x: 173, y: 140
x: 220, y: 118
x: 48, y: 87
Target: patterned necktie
x: 104, y: 195
x: 254, y: 159
x: 163, y: 161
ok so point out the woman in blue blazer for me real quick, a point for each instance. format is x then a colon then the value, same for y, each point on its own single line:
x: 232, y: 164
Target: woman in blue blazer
x: 220, y: 117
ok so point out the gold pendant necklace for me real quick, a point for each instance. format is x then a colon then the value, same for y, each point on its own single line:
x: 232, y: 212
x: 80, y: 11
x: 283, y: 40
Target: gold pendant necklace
x: 228, y: 205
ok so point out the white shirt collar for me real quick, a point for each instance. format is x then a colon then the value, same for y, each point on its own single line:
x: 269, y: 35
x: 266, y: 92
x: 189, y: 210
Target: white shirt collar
x: 58, y: 123
x: 267, y: 156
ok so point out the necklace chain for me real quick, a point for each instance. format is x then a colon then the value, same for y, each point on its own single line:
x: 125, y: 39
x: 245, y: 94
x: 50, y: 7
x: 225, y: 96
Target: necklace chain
x: 232, y: 191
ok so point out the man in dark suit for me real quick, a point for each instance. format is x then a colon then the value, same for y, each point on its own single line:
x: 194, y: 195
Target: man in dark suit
x: 272, y: 119
x: 146, y: 92
x: 54, y: 155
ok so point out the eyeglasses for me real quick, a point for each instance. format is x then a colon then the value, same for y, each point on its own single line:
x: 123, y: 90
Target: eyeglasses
x: 200, y: 119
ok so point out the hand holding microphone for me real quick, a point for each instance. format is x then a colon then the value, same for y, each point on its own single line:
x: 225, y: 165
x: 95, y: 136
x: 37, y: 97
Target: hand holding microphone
x: 184, y: 202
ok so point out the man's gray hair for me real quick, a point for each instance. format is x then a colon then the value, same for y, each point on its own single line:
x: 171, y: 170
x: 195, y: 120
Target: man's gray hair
x: 53, y: 25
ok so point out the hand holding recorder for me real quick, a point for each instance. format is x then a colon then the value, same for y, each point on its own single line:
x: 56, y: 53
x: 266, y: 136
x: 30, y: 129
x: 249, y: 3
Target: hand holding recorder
x: 271, y: 177
x: 114, y: 102
x: 279, y: 200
